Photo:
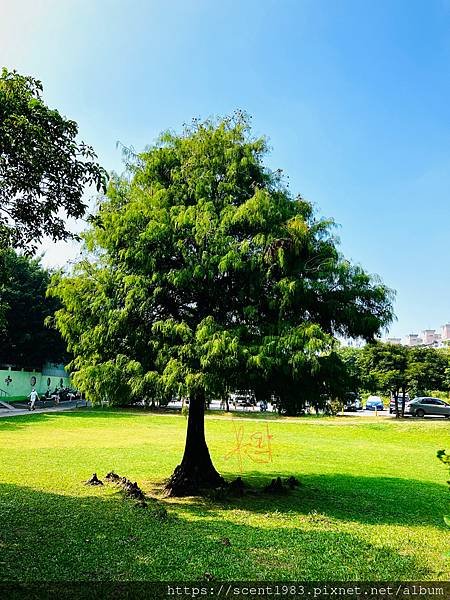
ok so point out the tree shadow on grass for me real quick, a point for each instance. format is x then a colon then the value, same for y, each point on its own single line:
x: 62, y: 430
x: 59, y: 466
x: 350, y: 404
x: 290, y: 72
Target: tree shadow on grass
x: 102, y: 537
x: 365, y: 500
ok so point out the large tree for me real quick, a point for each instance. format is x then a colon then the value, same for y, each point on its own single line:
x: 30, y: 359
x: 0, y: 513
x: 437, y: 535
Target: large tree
x: 44, y: 169
x: 203, y: 273
x: 25, y: 339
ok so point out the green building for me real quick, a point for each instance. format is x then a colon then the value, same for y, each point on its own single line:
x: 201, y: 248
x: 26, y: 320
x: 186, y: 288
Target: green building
x: 15, y: 384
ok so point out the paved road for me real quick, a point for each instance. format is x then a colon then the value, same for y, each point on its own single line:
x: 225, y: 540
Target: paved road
x: 20, y: 408
x: 369, y: 413
x: 215, y: 405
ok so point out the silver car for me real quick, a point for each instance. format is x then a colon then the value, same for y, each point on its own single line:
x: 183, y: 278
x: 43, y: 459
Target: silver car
x: 419, y: 407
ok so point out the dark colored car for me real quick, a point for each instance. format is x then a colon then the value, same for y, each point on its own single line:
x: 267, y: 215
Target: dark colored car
x: 352, y: 402
x: 243, y: 398
x: 392, y: 403
x: 419, y: 407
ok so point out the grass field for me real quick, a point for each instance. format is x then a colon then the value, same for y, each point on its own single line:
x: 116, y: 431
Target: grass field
x: 369, y: 507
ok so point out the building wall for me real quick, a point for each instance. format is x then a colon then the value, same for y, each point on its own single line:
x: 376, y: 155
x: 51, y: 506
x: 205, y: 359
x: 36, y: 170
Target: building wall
x: 428, y: 336
x: 394, y: 341
x: 412, y: 340
x: 20, y: 383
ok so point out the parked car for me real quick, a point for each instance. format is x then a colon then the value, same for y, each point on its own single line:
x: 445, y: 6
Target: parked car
x: 243, y: 398
x: 392, y: 403
x: 374, y: 403
x: 419, y: 407
x: 352, y: 402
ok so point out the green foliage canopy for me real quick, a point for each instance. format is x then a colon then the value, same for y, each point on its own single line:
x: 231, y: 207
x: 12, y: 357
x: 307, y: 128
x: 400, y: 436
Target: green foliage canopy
x: 202, y: 271
x: 43, y: 169
x: 394, y: 369
x: 427, y: 370
x: 385, y: 367
x: 25, y: 340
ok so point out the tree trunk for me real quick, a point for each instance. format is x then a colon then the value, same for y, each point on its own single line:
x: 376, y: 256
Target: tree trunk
x: 397, y: 415
x: 196, y: 471
x: 403, y: 403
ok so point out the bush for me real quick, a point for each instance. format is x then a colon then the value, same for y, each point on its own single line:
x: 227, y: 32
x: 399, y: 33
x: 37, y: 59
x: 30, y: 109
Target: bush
x: 335, y: 405
x: 441, y: 395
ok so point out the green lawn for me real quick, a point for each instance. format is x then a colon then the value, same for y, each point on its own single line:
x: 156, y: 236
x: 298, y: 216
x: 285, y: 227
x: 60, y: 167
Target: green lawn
x: 369, y: 507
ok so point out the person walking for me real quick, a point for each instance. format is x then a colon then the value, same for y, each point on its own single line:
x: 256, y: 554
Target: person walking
x: 33, y: 396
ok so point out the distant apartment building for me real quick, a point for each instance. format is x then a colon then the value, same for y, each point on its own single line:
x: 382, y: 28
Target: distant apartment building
x: 445, y: 333
x: 428, y: 337
x: 412, y: 339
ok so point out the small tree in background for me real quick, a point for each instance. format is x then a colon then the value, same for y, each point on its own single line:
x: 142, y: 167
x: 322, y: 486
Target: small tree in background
x: 427, y: 370
x: 385, y: 368
x: 395, y: 370
x: 25, y: 340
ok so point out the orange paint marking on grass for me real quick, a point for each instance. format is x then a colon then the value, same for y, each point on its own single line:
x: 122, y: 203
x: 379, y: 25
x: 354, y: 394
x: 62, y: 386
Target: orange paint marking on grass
x: 256, y: 446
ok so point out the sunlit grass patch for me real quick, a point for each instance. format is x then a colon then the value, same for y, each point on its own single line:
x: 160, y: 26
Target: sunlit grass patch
x: 369, y: 506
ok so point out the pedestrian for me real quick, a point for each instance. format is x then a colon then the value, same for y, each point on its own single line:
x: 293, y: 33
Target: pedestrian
x: 33, y: 396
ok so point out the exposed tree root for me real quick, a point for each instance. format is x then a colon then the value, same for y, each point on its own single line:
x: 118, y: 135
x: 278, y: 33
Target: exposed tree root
x: 134, y: 492
x: 292, y: 482
x: 193, y: 481
x: 218, y: 489
x: 237, y: 487
x: 94, y: 480
x: 277, y: 486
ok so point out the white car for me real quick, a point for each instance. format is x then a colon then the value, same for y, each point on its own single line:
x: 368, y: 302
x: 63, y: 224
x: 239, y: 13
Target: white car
x: 419, y: 407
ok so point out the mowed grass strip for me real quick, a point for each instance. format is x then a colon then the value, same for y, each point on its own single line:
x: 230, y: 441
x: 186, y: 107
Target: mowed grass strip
x: 370, y: 505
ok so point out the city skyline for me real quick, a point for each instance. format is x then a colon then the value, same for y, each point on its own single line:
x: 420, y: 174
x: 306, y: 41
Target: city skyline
x: 424, y: 337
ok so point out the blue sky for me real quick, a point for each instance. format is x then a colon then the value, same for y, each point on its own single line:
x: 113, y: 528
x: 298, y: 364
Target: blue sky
x: 353, y: 96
